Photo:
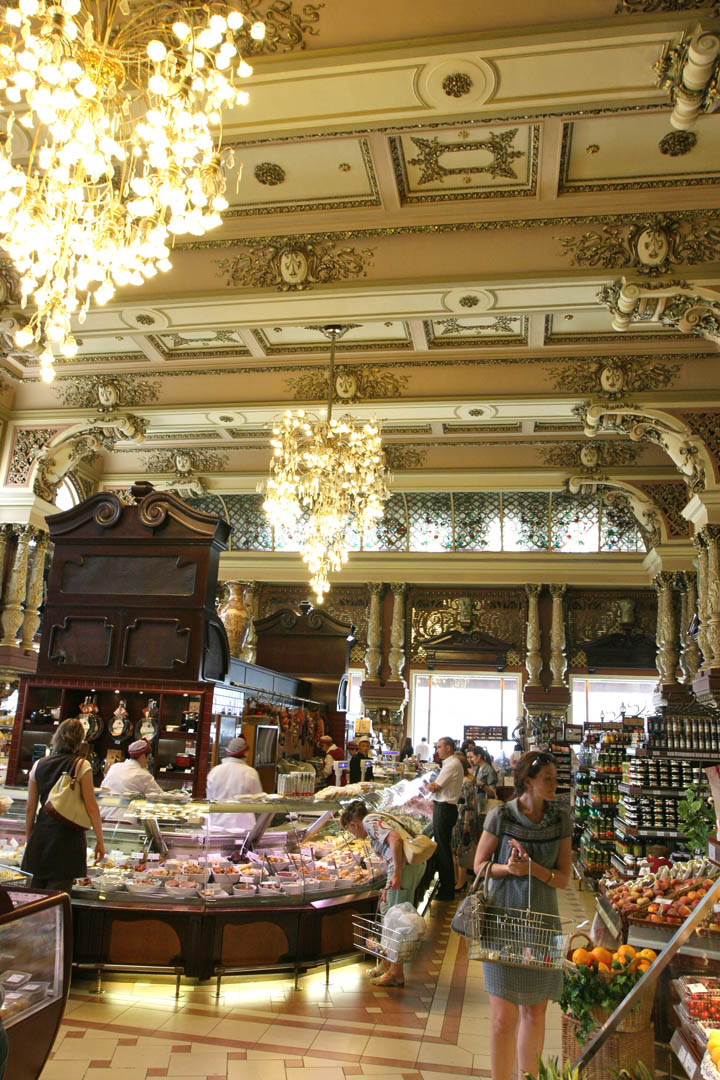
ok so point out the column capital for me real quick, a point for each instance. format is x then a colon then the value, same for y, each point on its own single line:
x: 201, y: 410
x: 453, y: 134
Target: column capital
x: 398, y: 587
x: 375, y: 587
x: 557, y: 590
x: 532, y: 590
x: 664, y: 580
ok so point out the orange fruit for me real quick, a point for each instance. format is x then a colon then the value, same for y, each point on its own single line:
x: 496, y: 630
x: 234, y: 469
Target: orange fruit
x: 603, y: 967
x: 648, y: 954
x: 715, y: 1054
x: 602, y: 956
x: 622, y: 959
x: 626, y: 949
x: 643, y: 967
x: 581, y: 957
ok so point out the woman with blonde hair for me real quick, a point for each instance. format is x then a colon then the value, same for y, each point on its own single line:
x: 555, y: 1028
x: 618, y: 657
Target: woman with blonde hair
x: 56, y: 850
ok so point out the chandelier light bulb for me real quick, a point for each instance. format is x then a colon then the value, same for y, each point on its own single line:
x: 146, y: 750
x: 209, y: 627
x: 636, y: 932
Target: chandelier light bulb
x: 257, y: 31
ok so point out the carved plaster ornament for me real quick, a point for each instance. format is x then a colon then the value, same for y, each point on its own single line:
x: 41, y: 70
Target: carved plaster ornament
x: 55, y: 462
x: 293, y: 263
x: 346, y: 385
x: 589, y: 456
x: 652, y: 246
x: 613, y: 375
x: 364, y: 382
x: 612, y: 379
x: 106, y: 393
x: 680, y: 305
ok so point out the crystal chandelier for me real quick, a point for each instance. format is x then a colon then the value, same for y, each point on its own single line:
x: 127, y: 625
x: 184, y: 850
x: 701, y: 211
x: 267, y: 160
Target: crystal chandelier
x: 112, y: 145
x: 327, y: 478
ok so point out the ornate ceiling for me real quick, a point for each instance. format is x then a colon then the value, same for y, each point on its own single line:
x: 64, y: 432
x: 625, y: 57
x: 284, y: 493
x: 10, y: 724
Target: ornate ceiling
x: 468, y: 192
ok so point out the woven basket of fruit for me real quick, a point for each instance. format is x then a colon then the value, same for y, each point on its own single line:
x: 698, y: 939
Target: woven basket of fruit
x: 623, y: 1050
x: 596, y: 981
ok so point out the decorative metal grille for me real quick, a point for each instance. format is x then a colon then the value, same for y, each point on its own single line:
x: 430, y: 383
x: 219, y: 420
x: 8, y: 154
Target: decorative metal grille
x: 526, y: 520
x: 477, y: 521
x: 429, y: 521
x: 574, y: 522
x: 391, y: 533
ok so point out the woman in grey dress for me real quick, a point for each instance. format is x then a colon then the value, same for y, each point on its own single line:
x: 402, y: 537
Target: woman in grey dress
x: 529, y: 828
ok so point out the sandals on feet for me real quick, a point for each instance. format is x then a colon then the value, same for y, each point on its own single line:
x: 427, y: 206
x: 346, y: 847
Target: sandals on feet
x: 390, y: 980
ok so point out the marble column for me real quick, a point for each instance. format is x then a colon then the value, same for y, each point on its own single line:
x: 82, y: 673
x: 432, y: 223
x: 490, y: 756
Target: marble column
x: 702, y: 599
x: 711, y: 535
x: 397, y: 632
x: 689, y: 651
x: 533, y: 656
x: 558, y: 657
x: 667, y: 650
x: 373, y: 653
x: 251, y: 596
x: 12, y: 612
x: 34, y: 594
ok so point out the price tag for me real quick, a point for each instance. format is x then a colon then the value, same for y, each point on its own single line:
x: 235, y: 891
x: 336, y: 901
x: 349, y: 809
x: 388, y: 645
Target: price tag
x: 664, y: 901
x: 716, y: 907
x: 697, y: 988
x: 137, y: 855
x: 153, y: 857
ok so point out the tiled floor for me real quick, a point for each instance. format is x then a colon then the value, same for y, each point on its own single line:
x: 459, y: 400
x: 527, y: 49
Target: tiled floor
x: 262, y: 1029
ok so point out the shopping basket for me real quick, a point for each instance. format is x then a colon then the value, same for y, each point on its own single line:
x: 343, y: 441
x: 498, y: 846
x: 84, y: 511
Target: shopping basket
x: 371, y: 936
x: 516, y: 937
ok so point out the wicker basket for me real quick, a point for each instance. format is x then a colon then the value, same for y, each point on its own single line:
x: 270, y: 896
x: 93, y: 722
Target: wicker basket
x: 622, y: 1050
x: 637, y: 1019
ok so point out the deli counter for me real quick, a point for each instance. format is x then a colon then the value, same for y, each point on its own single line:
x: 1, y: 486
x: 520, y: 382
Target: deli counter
x: 177, y: 892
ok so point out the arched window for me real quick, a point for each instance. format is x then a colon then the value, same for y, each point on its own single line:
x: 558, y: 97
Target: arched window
x: 68, y: 494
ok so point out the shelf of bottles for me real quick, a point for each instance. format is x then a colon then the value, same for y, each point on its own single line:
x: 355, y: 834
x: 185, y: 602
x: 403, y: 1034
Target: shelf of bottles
x: 666, y: 760
x: 601, y: 760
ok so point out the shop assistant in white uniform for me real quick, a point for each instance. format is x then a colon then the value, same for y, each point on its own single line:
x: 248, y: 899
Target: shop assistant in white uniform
x: 131, y: 777
x: 233, y: 776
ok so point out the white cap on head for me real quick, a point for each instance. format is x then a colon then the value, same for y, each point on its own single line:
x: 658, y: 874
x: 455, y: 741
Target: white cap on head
x: 237, y: 747
x: 138, y: 748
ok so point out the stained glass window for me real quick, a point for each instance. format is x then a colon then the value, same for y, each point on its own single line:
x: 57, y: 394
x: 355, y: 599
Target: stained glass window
x: 250, y: 528
x: 619, y: 528
x: 574, y: 522
x: 525, y: 520
x: 477, y: 521
x: 430, y: 521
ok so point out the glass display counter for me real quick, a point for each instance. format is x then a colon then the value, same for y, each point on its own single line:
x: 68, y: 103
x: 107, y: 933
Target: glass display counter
x: 35, y: 958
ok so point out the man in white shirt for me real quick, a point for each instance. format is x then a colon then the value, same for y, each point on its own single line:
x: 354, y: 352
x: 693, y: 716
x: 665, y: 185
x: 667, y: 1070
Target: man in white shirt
x: 131, y: 777
x: 423, y: 750
x: 446, y: 789
x: 332, y: 754
x: 233, y: 776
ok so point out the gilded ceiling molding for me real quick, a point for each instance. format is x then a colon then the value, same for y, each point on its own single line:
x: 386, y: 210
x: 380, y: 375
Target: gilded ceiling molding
x: 686, y: 307
x: 27, y: 443
x: 497, y: 145
x: 499, y: 324
x: 56, y: 462
x: 707, y: 426
x: 294, y: 263
x: 359, y: 383
x: 652, y: 7
x: 687, y: 451
x: 652, y: 246
x: 445, y: 227
x: 184, y: 462
x: 285, y: 29
x: 106, y: 392
x: 399, y: 458
x: 456, y: 334
x: 670, y: 498
x: 612, y: 374
x: 320, y: 346
x: 588, y: 456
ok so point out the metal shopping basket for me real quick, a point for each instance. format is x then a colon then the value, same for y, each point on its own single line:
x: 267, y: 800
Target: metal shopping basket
x: 371, y: 936
x: 516, y: 937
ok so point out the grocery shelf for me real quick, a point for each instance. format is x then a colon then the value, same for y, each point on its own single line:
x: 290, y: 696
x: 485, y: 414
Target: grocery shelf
x: 621, y: 867
x: 686, y: 1055
x: 633, y: 830
x: 683, y: 755
x: 658, y: 793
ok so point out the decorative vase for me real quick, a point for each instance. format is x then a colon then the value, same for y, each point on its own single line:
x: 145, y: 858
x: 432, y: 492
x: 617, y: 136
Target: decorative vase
x: 234, y: 616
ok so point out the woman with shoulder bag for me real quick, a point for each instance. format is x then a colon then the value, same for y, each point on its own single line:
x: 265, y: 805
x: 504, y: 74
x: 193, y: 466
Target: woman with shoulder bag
x: 403, y: 878
x: 527, y: 838
x: 465, y: 832
x: 56, y: 847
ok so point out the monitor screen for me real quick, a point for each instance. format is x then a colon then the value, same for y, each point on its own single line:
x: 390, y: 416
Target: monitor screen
x: 266, y: 744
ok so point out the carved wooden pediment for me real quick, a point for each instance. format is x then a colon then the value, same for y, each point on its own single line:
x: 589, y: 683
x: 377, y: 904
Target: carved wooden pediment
x: 304, y: 618
x: 459, y: 646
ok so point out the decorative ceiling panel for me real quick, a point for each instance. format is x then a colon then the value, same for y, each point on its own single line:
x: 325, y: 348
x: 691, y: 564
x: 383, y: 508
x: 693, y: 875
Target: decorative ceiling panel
x: 97, y: 344
x: 581, y: 325
x: 609, y: 153
x: 308, y: 339
x: 466, y: 163
x: 483, y: 330
x: 320, y: 174
x: 203, y: 342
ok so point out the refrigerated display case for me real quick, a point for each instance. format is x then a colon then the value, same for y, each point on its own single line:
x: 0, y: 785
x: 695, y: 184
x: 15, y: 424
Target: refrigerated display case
x: 35, y: 960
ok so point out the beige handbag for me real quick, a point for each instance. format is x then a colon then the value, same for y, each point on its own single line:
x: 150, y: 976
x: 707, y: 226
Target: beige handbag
x: 416, y: 848
x: 65, y: 802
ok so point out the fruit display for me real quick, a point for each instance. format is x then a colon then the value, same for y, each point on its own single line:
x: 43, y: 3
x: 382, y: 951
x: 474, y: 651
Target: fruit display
x: 666, y: 897
x: 710, y: 1066
x: 596, y: 981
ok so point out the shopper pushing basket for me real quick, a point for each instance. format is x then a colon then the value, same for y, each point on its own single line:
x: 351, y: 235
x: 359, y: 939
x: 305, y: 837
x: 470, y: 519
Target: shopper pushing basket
x: 528, y: 841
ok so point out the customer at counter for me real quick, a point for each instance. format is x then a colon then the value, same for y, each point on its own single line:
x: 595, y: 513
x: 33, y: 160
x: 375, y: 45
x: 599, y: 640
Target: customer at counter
x: 332, y: 754
x: 56, y: 851
x: 131, y: 777
x: 233, y: 776
x: 366, y: 755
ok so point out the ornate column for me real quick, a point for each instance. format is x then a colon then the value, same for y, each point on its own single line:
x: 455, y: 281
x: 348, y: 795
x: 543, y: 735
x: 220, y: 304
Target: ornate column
x: 251, y: 596
x: 34, y: 595
x: 702, y: 564
x: 533, y: 657
x: 373, y: 653
x: 706, y: 683
x: 397, y: 632
x: 689, y: 651
x: 667, y: 651
x: 12, y: 613
x: 558, y: 658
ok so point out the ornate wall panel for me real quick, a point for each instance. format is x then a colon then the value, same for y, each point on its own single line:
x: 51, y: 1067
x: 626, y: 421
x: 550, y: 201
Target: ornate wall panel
x: 501, y: 613
x: 348, y: 603
x: 592, y: 613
